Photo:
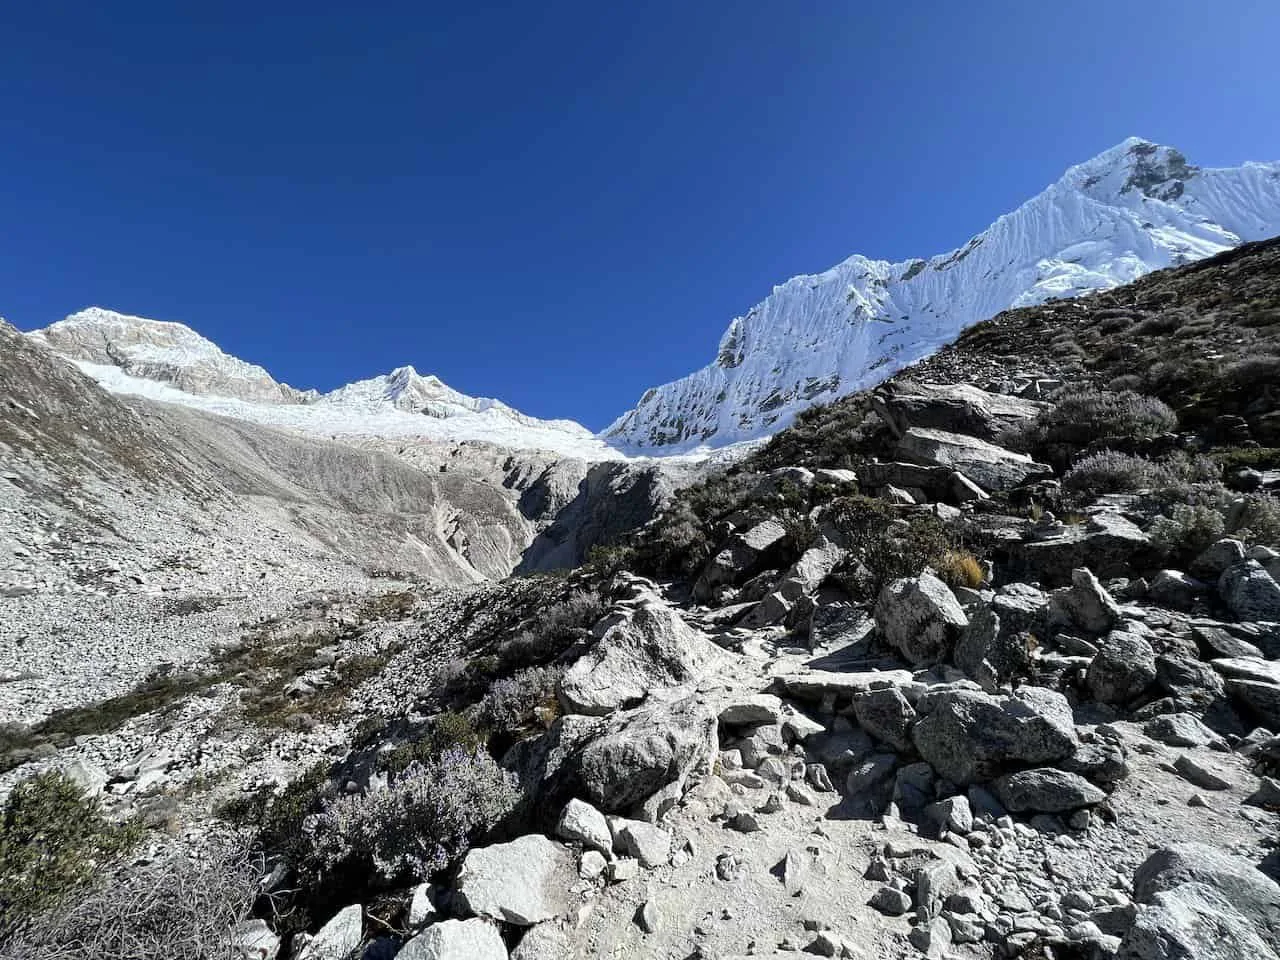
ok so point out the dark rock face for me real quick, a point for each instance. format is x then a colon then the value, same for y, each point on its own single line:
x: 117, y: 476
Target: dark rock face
x: 613, y: 499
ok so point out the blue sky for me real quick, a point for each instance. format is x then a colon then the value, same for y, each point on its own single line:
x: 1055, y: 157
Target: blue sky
x: 560, y: 204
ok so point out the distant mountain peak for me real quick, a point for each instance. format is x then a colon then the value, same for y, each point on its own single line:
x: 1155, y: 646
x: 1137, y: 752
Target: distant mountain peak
x: 1136, y: 207
x: 169, y: 361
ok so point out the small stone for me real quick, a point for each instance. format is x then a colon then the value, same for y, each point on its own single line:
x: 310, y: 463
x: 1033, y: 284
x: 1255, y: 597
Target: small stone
x: 890, y: 901
x: 622, y: 870
x: 745, y: 822
x: 1200, y: 774
x: 582, y: 822
x: 798, y: 794
x: 816, y: 774
x: 648, y: 917
x: 729, y: 866
x: 592, y: 864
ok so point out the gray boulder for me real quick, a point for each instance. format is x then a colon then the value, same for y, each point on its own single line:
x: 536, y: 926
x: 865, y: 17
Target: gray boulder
x: 1260, y: 700
x: 254, y: 940
x: 1250, y: 592
x: 645, y: 758
x: 1250, y: 891
x: 584, y: 823
x: 338, y: 938
x: 741, y: 556
x: 1046, y: 790
x: 1216, y: 558
x: 887, y: 715
x: 920, y: 617
x: 1123, y: 668
x: 1108, y: 543
x: 1192, y: 922
x: 645, y: 647
x: 1176, y: 590
x: 1085, y: 604
x: 989, y: 466
x: 955, y: 407
x: 968, y: 736
x: 474, y: 939
x: 522, y: 882
x: 988, y: 649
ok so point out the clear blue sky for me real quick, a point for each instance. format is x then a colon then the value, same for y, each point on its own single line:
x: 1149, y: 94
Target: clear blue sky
x: 559, y: 204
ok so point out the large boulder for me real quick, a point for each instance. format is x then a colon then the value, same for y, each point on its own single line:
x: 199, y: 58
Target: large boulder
x: 1250, y: 592
x: 1260, y: 700
x: 1085, y: 604
x: 522, y: 882
x: 644, y: 759
x: 920, y: 617
x: 646, y: 647
x: 1108, y: 543
x: 887, y: 715
x: 1192, y: 921
x: 474, y: 939
x: 967, y: 736
x: 989, y: 466
x: 955, y: 407
x: 1123, y: 668
x: 1216, y: 558
x: 1244, y: 886
x: 743, y: 555
x: 1045, y: 790
x: 988, y: 651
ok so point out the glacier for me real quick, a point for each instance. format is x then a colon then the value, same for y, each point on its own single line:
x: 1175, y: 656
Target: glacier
x: 169, y: 362
x: 1134, y: 208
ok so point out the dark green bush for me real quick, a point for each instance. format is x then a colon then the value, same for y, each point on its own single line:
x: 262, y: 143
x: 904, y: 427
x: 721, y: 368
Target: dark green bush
x: 53, y: 841
x: 884, y: 547
x: 1083, y: 415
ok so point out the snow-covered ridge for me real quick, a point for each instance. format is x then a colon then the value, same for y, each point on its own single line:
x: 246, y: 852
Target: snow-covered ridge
x: 165, y: 352
x: 171, y: 363
x: 1132, y: 209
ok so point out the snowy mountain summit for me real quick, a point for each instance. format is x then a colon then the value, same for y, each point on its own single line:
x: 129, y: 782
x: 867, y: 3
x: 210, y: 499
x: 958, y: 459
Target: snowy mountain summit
x: 163, y: 352
x: 1135, y: 208
x: 172, y: 363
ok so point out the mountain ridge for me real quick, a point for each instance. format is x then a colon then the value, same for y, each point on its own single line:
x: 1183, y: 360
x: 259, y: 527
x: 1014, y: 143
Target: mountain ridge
x: 1133, y: 208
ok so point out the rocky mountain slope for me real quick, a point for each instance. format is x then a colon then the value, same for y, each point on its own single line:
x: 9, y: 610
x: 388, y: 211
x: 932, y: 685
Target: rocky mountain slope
x: 1135, y: 208
x: 171, y: 363
x: 981, y: 663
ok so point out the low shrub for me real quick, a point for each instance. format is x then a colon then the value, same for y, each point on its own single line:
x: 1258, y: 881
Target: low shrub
x: 1256, y: 519
x: 960, y: 568
x: 551, y: 632
x: 521, y: 702
x: 420, y: 823
x: 1081, y: 416
x: 53, y: 841
x: 1110, y: 471
x: 884, y: 547
x: 175, y: 908
x: 1190, y: 529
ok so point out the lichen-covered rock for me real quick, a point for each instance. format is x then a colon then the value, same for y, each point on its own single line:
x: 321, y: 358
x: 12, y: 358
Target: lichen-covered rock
x: 642, y: 648
x: 645, y: 758
x: 474, y: 939
x: 967, y: 736
x: 990, y: 466
x: 920, y: 617
x: 1123, y: 668
x: 1250, y: 592
x: 1045, y: 790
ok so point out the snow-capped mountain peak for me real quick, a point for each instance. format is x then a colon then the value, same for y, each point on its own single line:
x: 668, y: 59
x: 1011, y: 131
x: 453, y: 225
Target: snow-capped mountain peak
x: 1134, y: 208
x: 165, y: 352
x: 171, y: 362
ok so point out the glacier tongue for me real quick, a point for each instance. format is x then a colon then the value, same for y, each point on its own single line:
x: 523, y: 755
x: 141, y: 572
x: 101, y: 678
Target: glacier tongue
x: 1135, y: 208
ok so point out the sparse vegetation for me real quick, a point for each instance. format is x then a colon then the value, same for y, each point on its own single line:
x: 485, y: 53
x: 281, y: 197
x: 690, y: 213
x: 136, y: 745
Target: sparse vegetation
x: 420, y: 822
x: 53, y: 841
x: 175, y: 908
